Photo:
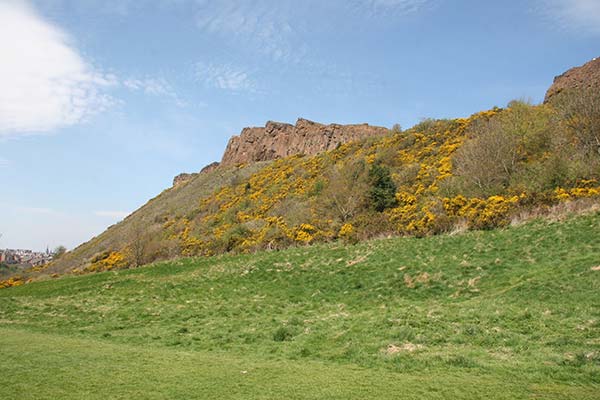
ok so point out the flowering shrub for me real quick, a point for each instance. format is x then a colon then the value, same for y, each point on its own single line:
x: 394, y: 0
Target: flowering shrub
x: 576, y: 193
x: 346, y: 231
x: 107, y: 261
x: 11, y: 282
x: 305, y: 233
x: 483, y: 213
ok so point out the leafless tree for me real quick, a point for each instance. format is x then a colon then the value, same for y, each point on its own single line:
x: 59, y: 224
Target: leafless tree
x: 346, y: 191
x: 489, y: 158
x: 138, y: 244
x: 580, y: 111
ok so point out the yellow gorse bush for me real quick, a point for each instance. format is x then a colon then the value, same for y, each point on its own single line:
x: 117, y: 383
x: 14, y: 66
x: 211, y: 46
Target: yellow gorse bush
x: 576, y: 193
x: 11, y: 282
x: 108, y: 261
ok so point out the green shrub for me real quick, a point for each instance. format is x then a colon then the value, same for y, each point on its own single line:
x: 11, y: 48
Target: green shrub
x: 283, y: 334
x: 383, y: 188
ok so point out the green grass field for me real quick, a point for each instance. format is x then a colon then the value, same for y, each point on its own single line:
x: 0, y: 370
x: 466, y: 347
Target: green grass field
x: 507, y: 314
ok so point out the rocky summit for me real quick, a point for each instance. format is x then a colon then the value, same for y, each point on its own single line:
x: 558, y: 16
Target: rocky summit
x: 583, y: 77
x: 278, y: 140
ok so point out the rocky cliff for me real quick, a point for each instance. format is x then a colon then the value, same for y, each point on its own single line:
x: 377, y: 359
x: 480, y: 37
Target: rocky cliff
x: 277, y: 140
x: 583, y: 77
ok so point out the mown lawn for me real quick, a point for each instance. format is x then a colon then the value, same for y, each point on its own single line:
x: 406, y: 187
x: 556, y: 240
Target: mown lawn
x: 513, y: 313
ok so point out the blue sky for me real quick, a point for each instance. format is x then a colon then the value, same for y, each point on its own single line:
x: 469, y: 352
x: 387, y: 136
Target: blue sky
x: 104, y: 101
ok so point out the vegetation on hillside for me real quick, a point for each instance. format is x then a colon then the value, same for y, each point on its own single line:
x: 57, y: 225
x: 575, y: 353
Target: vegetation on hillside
x: 476, y: 172
x: 502, y: 314
x: 439, y: 176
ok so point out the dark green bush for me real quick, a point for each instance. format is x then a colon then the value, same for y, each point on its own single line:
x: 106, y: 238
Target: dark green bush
x: 283, y: 334
x: 383, y: 188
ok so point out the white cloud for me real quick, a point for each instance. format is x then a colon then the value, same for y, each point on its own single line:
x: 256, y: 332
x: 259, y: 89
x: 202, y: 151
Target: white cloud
x: 112, y: 214
x: 154, y: 87
x: 4, y: 162
x: 573, y: 15
x: 225, y: 77
x: 45, y: 82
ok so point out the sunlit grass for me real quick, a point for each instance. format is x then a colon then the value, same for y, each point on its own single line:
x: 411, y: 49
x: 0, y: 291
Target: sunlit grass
x: 512, y: 313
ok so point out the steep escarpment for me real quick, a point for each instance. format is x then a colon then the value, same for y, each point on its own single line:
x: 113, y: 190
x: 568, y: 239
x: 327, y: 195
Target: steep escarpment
x: 278, y: 140
x: 584, y: 77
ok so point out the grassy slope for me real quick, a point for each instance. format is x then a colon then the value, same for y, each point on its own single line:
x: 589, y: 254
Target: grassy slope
x: 124, y: 372
x: 512, y: 313
x: 171, y: 202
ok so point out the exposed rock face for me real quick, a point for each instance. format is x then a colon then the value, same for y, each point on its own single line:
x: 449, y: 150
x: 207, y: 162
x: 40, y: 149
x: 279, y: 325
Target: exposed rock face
x: 584, y: 77
x: 185, y: 177
x: 277, y: 140
x: 210, y: 167
x: 182, y: 178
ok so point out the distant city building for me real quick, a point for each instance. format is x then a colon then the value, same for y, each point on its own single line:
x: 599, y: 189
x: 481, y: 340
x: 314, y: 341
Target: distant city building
x: 24, y: 257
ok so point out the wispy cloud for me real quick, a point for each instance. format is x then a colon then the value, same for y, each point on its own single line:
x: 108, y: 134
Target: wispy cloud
x: 572, y: 15
x: 112, y: 214
x: 154, y: 87
x: 263, y: 25
x: 225, y: 77
x: 4, y: 162
x: 395, y: 7
x: 276, y: 29
x: 46, y: 83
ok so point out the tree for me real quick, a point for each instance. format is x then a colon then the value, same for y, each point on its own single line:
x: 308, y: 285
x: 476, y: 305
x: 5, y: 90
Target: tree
x: 488, y: 160
x: 498, y: 148
x: 580, y: 112
x: 59, y: 252
x: 344, y: 194
x: 383, y: 188
x: 138, y: 244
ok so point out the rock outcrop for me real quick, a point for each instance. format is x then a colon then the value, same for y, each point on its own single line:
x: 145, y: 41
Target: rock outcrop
x: 583, y: 77
x: 183, y: 178
x: 210, y: 167
x: 277, y: 140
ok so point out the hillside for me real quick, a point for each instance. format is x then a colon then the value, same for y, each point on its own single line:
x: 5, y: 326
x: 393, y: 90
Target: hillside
x: 293, y: 185
x: 148, y: 220
x: 503, y: 314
